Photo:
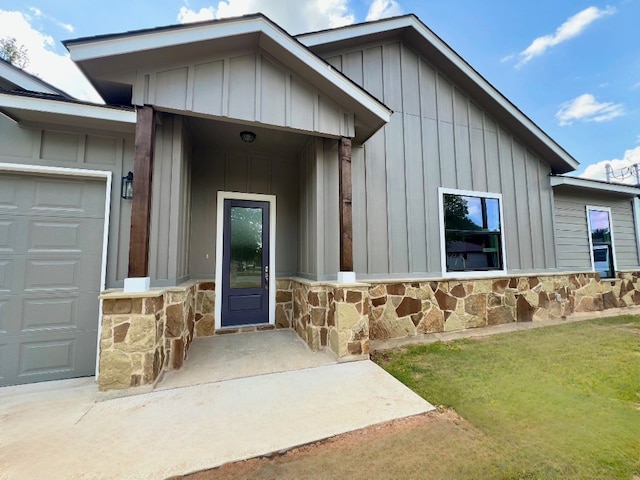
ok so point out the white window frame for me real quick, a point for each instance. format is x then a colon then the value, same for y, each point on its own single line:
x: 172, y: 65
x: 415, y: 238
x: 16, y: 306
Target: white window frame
x: 443, y: 248
x: 590, y: 208
x: 222, y: 196
x: 636, y: 224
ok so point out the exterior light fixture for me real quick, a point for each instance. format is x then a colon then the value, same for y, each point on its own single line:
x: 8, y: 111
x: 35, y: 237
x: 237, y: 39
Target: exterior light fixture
x: 126, y: 188
x: 247, y: 137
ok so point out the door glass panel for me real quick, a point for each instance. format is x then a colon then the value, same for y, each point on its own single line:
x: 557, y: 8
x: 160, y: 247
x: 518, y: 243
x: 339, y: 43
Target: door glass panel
x: 246, y: 248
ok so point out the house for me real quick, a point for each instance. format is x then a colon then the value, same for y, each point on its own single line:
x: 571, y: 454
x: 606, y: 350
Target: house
x: 353, y: 184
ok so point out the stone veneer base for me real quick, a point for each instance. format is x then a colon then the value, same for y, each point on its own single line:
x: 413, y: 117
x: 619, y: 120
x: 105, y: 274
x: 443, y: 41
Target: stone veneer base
x: 146, y: 333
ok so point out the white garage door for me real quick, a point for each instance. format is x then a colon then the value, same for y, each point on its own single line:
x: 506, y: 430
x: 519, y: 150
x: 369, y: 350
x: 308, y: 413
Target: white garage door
x: 51, y: 234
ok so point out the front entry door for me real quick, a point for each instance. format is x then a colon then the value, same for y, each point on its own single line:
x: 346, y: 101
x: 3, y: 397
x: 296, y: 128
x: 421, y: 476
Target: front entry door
x: 245, y: 263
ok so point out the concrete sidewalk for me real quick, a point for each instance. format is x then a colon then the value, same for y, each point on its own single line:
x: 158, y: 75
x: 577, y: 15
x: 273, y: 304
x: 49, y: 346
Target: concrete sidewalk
x: 55, y: 430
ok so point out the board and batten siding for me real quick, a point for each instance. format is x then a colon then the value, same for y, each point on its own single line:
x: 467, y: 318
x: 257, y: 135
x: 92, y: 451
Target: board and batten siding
x: 170, y: 203
x: 71, y: 147
x: 251, y: 87
x: 319, y: 231
x: 235, y: 171
x: 437, y: 137
x: 572, y: 235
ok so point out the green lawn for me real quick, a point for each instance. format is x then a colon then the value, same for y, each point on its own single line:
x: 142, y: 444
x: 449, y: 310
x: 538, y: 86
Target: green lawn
x: 558, y: 402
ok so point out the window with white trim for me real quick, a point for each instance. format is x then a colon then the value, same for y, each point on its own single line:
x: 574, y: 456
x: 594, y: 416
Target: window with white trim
x: 471, y: 231
x: 601, y: 241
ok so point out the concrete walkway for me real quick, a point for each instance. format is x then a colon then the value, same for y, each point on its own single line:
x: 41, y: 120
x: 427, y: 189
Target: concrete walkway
x: 56, y: 430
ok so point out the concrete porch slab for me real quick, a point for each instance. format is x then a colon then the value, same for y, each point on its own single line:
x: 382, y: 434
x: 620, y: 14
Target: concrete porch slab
x: 239, y: 355
x: 56, y: 430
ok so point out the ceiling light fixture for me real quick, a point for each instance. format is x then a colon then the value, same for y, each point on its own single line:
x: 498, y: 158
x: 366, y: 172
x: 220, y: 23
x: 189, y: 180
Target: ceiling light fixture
x: 247, y: 136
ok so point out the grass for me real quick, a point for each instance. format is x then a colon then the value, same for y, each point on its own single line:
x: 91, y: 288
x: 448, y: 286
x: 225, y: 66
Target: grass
x: 554, y: 403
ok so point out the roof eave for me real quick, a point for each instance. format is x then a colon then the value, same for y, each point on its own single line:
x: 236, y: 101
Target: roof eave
x: 83, y: 50
x: 594, y: 185
x: 28, y: 109
x: 27, y: 81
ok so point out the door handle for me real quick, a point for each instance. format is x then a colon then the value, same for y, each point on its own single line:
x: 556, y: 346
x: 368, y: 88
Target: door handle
x: 266, y: 276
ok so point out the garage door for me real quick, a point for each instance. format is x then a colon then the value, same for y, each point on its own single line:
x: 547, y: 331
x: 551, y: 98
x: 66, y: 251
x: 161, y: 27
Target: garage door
x: 50, y: 264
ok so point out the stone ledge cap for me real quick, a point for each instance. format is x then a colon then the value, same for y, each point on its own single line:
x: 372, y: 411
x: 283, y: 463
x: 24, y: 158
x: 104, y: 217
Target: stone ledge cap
x: 119, y: 293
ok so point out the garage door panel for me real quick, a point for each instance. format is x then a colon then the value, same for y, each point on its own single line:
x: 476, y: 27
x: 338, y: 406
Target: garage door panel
x: 67, y: 198
x: 7, y: 267
x: 8, y: 235
x: 49, y: 313
x: 33, y: 313
x: 5, y: 361
x: 51, y: 236
x: 61, y: 235
x: 55, y: 356
x: 7, y: 312
x: 54, y: 235
x: 8, y: 193
x: 52, y: 274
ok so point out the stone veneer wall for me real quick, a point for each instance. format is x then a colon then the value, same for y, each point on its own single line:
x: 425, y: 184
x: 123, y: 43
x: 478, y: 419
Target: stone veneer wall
x: 132, y: 341
x: 145, y: 333
x: 325, y: 315
x: 411, y: 308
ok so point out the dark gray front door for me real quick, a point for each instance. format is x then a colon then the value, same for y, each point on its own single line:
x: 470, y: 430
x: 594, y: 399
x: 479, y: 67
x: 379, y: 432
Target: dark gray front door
x: 245, y: 267
x: 50, y: 264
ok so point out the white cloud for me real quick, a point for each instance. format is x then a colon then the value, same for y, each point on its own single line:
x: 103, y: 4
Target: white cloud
x: 619, y: 166
x: 38, y: 13
x: 44, y: 62
x: 573, y: 27
x: 295, y: 16
x: 585, y: 107
x: 383, y: 9
x: 188, y: 16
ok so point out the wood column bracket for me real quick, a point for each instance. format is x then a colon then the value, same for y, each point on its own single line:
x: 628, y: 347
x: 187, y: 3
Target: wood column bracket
x: 346, y: 220
x: 141, y: 206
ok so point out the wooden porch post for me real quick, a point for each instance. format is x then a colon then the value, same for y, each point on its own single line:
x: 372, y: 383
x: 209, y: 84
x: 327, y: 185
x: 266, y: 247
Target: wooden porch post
x: 346, y: 221
x: 141, y: 206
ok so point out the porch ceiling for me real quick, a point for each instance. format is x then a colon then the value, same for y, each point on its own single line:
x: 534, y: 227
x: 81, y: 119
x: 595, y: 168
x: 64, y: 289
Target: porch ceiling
x: 226, y: 136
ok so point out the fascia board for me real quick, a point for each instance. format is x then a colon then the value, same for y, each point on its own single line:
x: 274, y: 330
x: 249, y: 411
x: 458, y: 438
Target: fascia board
x: 44, y: 105
x: 26, y: 81
x: 584, y: 183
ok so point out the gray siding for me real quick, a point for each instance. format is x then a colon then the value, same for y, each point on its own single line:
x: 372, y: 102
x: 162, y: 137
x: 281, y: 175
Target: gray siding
x: 572, y: 235
x: 319, y: 240
x: 236, y: 171
x: 437, y: 137
x: 252, y: 87
x: 75, y: 148
x: 170, y: 207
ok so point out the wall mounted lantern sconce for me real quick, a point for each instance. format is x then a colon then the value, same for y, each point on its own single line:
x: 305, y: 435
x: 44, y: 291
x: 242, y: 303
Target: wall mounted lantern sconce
x: 247, y: 137
x: 126, y: 188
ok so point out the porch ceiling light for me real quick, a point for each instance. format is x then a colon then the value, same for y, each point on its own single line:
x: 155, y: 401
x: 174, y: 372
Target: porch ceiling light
x: 247, y: 136
x: 126, y: 187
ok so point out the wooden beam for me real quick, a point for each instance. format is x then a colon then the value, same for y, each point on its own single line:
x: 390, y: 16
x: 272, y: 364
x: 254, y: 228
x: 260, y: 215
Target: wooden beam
x: 141, y: 206
x: 346, y: 220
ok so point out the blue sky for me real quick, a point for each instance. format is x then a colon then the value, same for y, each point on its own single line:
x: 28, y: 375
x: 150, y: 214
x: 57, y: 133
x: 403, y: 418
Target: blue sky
x: 572, y: 66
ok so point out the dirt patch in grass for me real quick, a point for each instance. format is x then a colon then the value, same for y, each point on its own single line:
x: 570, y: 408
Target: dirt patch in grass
x: 433, y: 445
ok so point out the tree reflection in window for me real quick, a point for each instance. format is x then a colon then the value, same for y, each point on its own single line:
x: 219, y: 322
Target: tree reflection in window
x: 472, y: 233
x: 246, y: 247
x: 602, y: 244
